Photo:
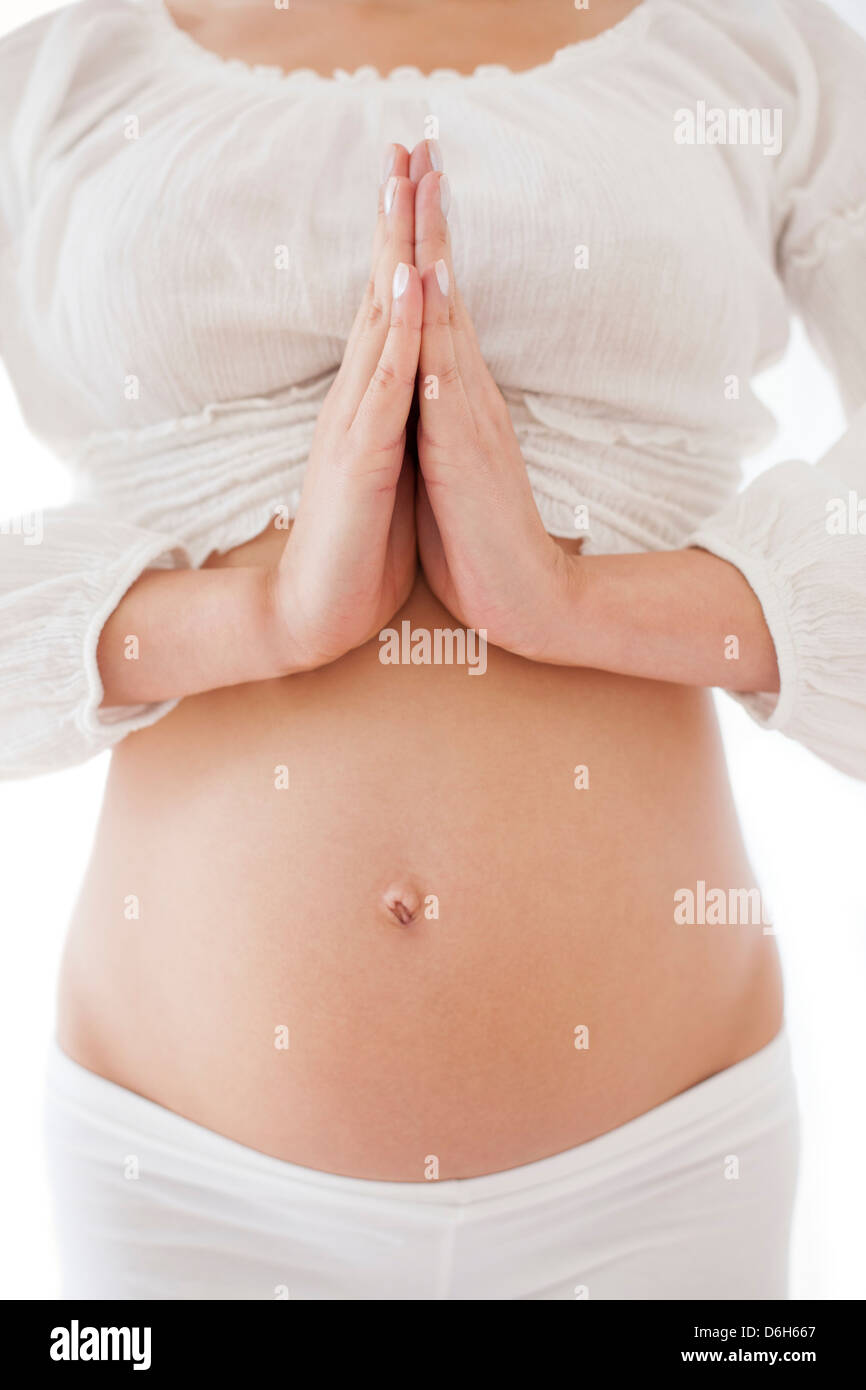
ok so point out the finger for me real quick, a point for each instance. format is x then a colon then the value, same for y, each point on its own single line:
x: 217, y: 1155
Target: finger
x: 365, y: 346
x: 432, y: 244
x: 426, y: 158
x: 432, y: 204
x: 395, y: 164
x: 446, y: 421
x: 379, y: 424
x: 439, y: 275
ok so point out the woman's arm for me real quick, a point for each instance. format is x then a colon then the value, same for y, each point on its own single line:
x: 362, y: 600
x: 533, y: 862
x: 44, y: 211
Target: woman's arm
x: 350, y: 558
x: 103, y: 624
x: 682, y: 616
x: 769, y: 594
x: 678, y: 615
x: 178, y: 632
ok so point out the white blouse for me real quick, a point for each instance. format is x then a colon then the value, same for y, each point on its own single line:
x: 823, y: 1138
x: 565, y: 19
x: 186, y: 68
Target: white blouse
x: 184, y: 241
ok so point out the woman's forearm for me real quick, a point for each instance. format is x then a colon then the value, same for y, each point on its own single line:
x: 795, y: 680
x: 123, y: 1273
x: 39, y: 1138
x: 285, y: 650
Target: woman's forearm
x: 179, y: 632
x: 683, y: 616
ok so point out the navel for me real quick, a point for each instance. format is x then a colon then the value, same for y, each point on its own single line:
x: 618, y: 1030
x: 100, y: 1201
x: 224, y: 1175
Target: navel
x: 402, y: 903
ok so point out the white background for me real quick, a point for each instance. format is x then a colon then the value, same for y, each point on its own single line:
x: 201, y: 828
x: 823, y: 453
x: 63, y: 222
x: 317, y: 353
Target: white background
x: 804, y: 825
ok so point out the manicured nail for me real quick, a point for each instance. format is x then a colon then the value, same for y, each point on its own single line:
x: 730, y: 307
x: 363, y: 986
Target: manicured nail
x: 390, y: 190
x: 442, y: 277
x: 401, y: 280
x: 435, y: 154
x: 444, y: 194
x: 388, y: 159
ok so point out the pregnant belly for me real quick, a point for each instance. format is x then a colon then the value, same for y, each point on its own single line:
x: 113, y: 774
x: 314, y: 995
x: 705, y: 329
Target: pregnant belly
x: 395, y: 919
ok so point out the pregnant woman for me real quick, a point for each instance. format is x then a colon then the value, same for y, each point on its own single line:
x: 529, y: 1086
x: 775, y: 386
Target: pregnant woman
x: 396, y: 977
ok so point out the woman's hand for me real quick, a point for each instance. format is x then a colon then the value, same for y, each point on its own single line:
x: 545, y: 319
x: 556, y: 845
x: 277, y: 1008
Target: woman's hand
x: 664, y: 616
x: 484, y: 550
x: 351, y: 557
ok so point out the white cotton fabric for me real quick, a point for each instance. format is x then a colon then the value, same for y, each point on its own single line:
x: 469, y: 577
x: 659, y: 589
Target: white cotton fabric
x: 184, y: 241
x: 691, y: 1200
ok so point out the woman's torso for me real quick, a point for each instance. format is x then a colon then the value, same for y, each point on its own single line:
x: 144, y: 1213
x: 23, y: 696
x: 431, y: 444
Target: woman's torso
x: 233, y: 955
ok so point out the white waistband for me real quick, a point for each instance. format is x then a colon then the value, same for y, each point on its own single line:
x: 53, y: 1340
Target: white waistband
x: 754, y: 1093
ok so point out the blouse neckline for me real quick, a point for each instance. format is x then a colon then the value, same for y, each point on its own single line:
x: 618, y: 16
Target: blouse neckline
x: 629, y: 27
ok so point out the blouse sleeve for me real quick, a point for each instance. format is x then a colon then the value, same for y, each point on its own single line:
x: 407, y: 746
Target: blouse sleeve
x: 61, y: 575
x: 798, y: 532
x: 62, y: 572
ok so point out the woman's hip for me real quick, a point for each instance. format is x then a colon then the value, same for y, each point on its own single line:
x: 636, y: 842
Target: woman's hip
x: 692, y: 1199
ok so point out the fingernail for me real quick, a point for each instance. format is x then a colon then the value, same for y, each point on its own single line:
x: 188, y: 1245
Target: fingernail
x: 401, y: 280
x: 444, y: 194
x: 435, y: 154
x: 388, y: 159
x: 390, y: 190
x: 442, y: 277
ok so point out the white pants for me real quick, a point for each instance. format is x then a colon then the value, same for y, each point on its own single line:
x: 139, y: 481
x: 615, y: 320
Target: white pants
x: 691, y: 1200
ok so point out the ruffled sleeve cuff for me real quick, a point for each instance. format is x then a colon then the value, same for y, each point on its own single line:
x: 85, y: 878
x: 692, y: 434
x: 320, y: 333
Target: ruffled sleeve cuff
x: 56, y: 591
x: 795, y: 535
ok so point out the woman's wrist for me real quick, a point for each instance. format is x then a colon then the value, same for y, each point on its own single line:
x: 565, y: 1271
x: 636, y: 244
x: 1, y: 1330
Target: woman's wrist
x: 180, y: 632
x: 683, y: 616
x: 276, y: 637
x: 560, y: 636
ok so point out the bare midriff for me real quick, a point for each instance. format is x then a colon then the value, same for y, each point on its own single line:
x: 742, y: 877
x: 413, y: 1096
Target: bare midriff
x: 374, y: 913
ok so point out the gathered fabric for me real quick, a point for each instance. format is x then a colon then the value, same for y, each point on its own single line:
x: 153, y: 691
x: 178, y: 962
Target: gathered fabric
x: 184, y: 242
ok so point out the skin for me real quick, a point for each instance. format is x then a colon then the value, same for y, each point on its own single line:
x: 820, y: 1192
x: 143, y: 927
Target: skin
x: 307, y: 908
x: 664, y: 616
